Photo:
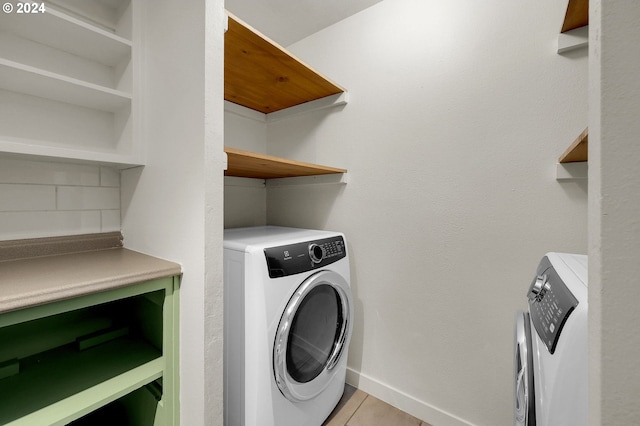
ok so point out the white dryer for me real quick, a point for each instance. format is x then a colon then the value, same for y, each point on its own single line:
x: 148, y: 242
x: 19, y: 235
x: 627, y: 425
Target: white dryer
x: 288, y: 321
x: 551, y: 345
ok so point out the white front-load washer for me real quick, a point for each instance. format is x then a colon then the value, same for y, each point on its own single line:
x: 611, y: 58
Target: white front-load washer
x: 550, y: 361
x: 288, y: 315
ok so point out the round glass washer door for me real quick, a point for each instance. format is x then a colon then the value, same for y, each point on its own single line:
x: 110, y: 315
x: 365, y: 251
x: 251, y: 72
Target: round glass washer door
x: 313, y: 334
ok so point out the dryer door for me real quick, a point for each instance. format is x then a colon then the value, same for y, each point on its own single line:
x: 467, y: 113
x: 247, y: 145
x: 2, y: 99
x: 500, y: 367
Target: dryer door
x: 313, y: 335
x: 524, y: 408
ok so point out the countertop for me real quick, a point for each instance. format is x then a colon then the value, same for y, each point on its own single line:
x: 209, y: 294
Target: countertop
x: 39, y: 280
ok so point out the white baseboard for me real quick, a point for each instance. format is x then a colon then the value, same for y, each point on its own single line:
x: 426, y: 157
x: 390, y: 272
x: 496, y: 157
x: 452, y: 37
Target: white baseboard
x: 401, y: 400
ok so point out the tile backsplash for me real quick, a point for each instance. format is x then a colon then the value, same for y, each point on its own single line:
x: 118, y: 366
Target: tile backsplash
x: 43, y: 199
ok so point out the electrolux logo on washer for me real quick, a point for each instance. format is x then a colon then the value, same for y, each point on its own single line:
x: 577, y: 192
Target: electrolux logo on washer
x: 301, y: 257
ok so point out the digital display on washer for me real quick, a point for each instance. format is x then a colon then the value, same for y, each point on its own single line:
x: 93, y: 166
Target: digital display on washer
x: 550, y: 304
x: 302, y: 257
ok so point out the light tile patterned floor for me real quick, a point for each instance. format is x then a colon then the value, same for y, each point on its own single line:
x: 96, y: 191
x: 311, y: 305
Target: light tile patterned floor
x: 357, y: 408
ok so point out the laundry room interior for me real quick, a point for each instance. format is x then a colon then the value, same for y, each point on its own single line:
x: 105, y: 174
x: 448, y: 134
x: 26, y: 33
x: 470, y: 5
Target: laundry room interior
x: 441, y: 155
x: 441, y: 188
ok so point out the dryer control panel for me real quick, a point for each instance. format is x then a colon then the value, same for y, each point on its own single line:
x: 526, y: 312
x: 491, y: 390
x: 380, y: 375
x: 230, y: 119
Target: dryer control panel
x: 550, y: 304
x: 302, y: 257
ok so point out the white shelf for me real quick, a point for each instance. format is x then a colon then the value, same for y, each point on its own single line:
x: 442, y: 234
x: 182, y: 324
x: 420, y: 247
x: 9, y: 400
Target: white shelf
x: 35, y: 150
x: 66, y: 82
x: 26, y: 79
x: 66, y: 33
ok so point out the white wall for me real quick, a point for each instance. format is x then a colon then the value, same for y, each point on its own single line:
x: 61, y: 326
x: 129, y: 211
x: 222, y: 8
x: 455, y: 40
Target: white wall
x: 458, y: 112
x: 614, y: 199
x: 172, y: 208
x: 46, y: 199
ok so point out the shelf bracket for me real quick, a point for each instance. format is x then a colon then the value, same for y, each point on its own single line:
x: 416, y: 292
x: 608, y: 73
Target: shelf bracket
x: 330, y: 179
x: 572, y: 171
x: 331, y: 101
x: 573, y: 39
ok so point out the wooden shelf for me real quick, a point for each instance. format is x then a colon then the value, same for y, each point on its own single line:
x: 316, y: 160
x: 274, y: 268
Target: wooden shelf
x: 577, y: 15
x: 261, y: 75
x: 260, y: 166
x: 578, y: 151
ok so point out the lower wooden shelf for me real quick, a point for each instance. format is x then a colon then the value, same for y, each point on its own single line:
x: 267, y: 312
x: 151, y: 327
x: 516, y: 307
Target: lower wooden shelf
x: 249, y: 164
x: 62, y: 385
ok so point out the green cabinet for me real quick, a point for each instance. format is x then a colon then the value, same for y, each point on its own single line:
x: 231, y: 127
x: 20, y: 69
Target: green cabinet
x: 108, y: 357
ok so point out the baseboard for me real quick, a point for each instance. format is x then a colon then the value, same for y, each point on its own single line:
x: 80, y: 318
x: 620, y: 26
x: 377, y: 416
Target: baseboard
x: 401, y: 400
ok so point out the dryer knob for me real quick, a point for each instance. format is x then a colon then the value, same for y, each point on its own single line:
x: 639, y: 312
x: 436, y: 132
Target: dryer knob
x: 316, y: 253
x: 539, y: 288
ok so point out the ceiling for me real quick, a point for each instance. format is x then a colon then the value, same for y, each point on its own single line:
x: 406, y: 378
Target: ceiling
x: 288, y: 21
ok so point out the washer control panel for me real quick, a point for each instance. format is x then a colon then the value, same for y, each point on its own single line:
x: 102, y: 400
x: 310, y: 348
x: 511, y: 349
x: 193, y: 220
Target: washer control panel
x: 302, y: 257
x: 550, y: 304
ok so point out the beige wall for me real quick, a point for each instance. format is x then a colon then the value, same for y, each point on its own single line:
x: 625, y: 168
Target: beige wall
x: 614, y: 197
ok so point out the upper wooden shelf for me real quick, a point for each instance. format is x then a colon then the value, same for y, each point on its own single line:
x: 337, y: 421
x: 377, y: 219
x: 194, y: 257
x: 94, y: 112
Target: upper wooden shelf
x: 260, y: 166
x: 577, y: 15
x: 578, y: 151
x: 261, y: 75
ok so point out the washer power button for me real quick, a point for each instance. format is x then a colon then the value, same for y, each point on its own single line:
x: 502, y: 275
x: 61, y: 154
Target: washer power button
x: 316, y: 253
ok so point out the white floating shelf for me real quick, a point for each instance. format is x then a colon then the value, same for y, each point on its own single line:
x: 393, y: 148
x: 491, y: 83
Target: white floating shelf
x: 66, y: 33
x: 33, y: 149
x: 29, y: 80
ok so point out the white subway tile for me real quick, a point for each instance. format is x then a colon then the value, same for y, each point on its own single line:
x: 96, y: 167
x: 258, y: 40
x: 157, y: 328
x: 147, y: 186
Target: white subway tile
x: 27, y: 197
x: 18, y: 225
x: 88, y: 198
x: 48, y: 173
x: 109, y: 177
x: 110, y: 220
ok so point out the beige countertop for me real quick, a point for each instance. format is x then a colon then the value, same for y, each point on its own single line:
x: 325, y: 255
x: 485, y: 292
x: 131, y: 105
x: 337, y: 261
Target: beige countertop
x: 38, y: 280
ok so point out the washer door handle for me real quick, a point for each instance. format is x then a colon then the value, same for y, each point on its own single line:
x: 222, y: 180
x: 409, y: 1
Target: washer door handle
x: 339, y: 346
x: 524, y: 392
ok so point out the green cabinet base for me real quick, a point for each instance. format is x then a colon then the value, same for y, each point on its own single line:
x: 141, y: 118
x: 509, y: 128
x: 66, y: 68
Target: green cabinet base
x: 116, y: 349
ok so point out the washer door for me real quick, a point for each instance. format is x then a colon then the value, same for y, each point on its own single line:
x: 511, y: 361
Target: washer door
x: 524, y: 408
x: 313, y: 334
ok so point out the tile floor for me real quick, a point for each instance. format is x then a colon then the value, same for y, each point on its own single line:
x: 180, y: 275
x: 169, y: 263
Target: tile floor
x: 357, y: 408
